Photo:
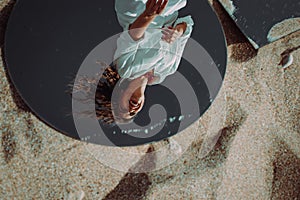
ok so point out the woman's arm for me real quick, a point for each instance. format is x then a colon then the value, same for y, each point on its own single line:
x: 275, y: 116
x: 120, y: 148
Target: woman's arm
x: 139, y: 26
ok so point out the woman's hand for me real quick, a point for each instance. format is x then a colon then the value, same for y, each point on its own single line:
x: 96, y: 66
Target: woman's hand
x: 139, y: 26
x: 155, y: 8
x: 170, y: 34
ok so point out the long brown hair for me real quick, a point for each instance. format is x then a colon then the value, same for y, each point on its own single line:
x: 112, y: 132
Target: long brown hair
x: 103, y: 96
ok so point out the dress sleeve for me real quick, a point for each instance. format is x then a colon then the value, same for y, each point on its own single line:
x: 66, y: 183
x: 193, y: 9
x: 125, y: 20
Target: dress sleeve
x: 125, y: 53
x: 189, y: 21
x: 127, y: 11
x: 181, y: 43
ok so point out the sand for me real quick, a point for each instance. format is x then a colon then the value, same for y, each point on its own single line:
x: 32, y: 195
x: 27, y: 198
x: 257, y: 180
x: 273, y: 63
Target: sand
x: 256, y: 157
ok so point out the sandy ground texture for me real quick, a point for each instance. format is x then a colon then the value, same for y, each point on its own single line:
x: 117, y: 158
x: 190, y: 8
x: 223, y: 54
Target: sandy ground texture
x: 256, y: 157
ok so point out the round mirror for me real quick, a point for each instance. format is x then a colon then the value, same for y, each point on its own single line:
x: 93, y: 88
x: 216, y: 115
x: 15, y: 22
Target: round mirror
x: 124, y: 73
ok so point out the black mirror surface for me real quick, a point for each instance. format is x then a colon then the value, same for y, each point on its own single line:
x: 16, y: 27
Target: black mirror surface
x: 46, y: 42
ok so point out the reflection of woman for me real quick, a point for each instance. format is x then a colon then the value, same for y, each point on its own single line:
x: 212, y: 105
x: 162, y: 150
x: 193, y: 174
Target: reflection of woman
x: 149, y: 49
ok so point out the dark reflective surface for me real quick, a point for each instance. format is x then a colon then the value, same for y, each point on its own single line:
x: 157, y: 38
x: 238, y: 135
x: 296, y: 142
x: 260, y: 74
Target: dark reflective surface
x: 47, y: 41
x: 257, y: 17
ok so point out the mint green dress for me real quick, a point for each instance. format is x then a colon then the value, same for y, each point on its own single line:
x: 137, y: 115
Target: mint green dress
x: 150, y: 53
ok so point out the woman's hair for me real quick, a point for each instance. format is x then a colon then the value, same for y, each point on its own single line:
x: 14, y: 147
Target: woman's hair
x: 103, y: 96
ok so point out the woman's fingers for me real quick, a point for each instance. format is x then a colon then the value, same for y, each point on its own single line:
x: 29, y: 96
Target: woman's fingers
x: 150, y: 4
x: 156, y: 6
x: 168, y: 39
x: 167, y: 32
x: 162, y: 7
x: 170, y: 34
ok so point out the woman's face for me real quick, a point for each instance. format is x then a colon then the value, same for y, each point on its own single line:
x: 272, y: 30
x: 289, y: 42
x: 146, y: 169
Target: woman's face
x: 132, y: 98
